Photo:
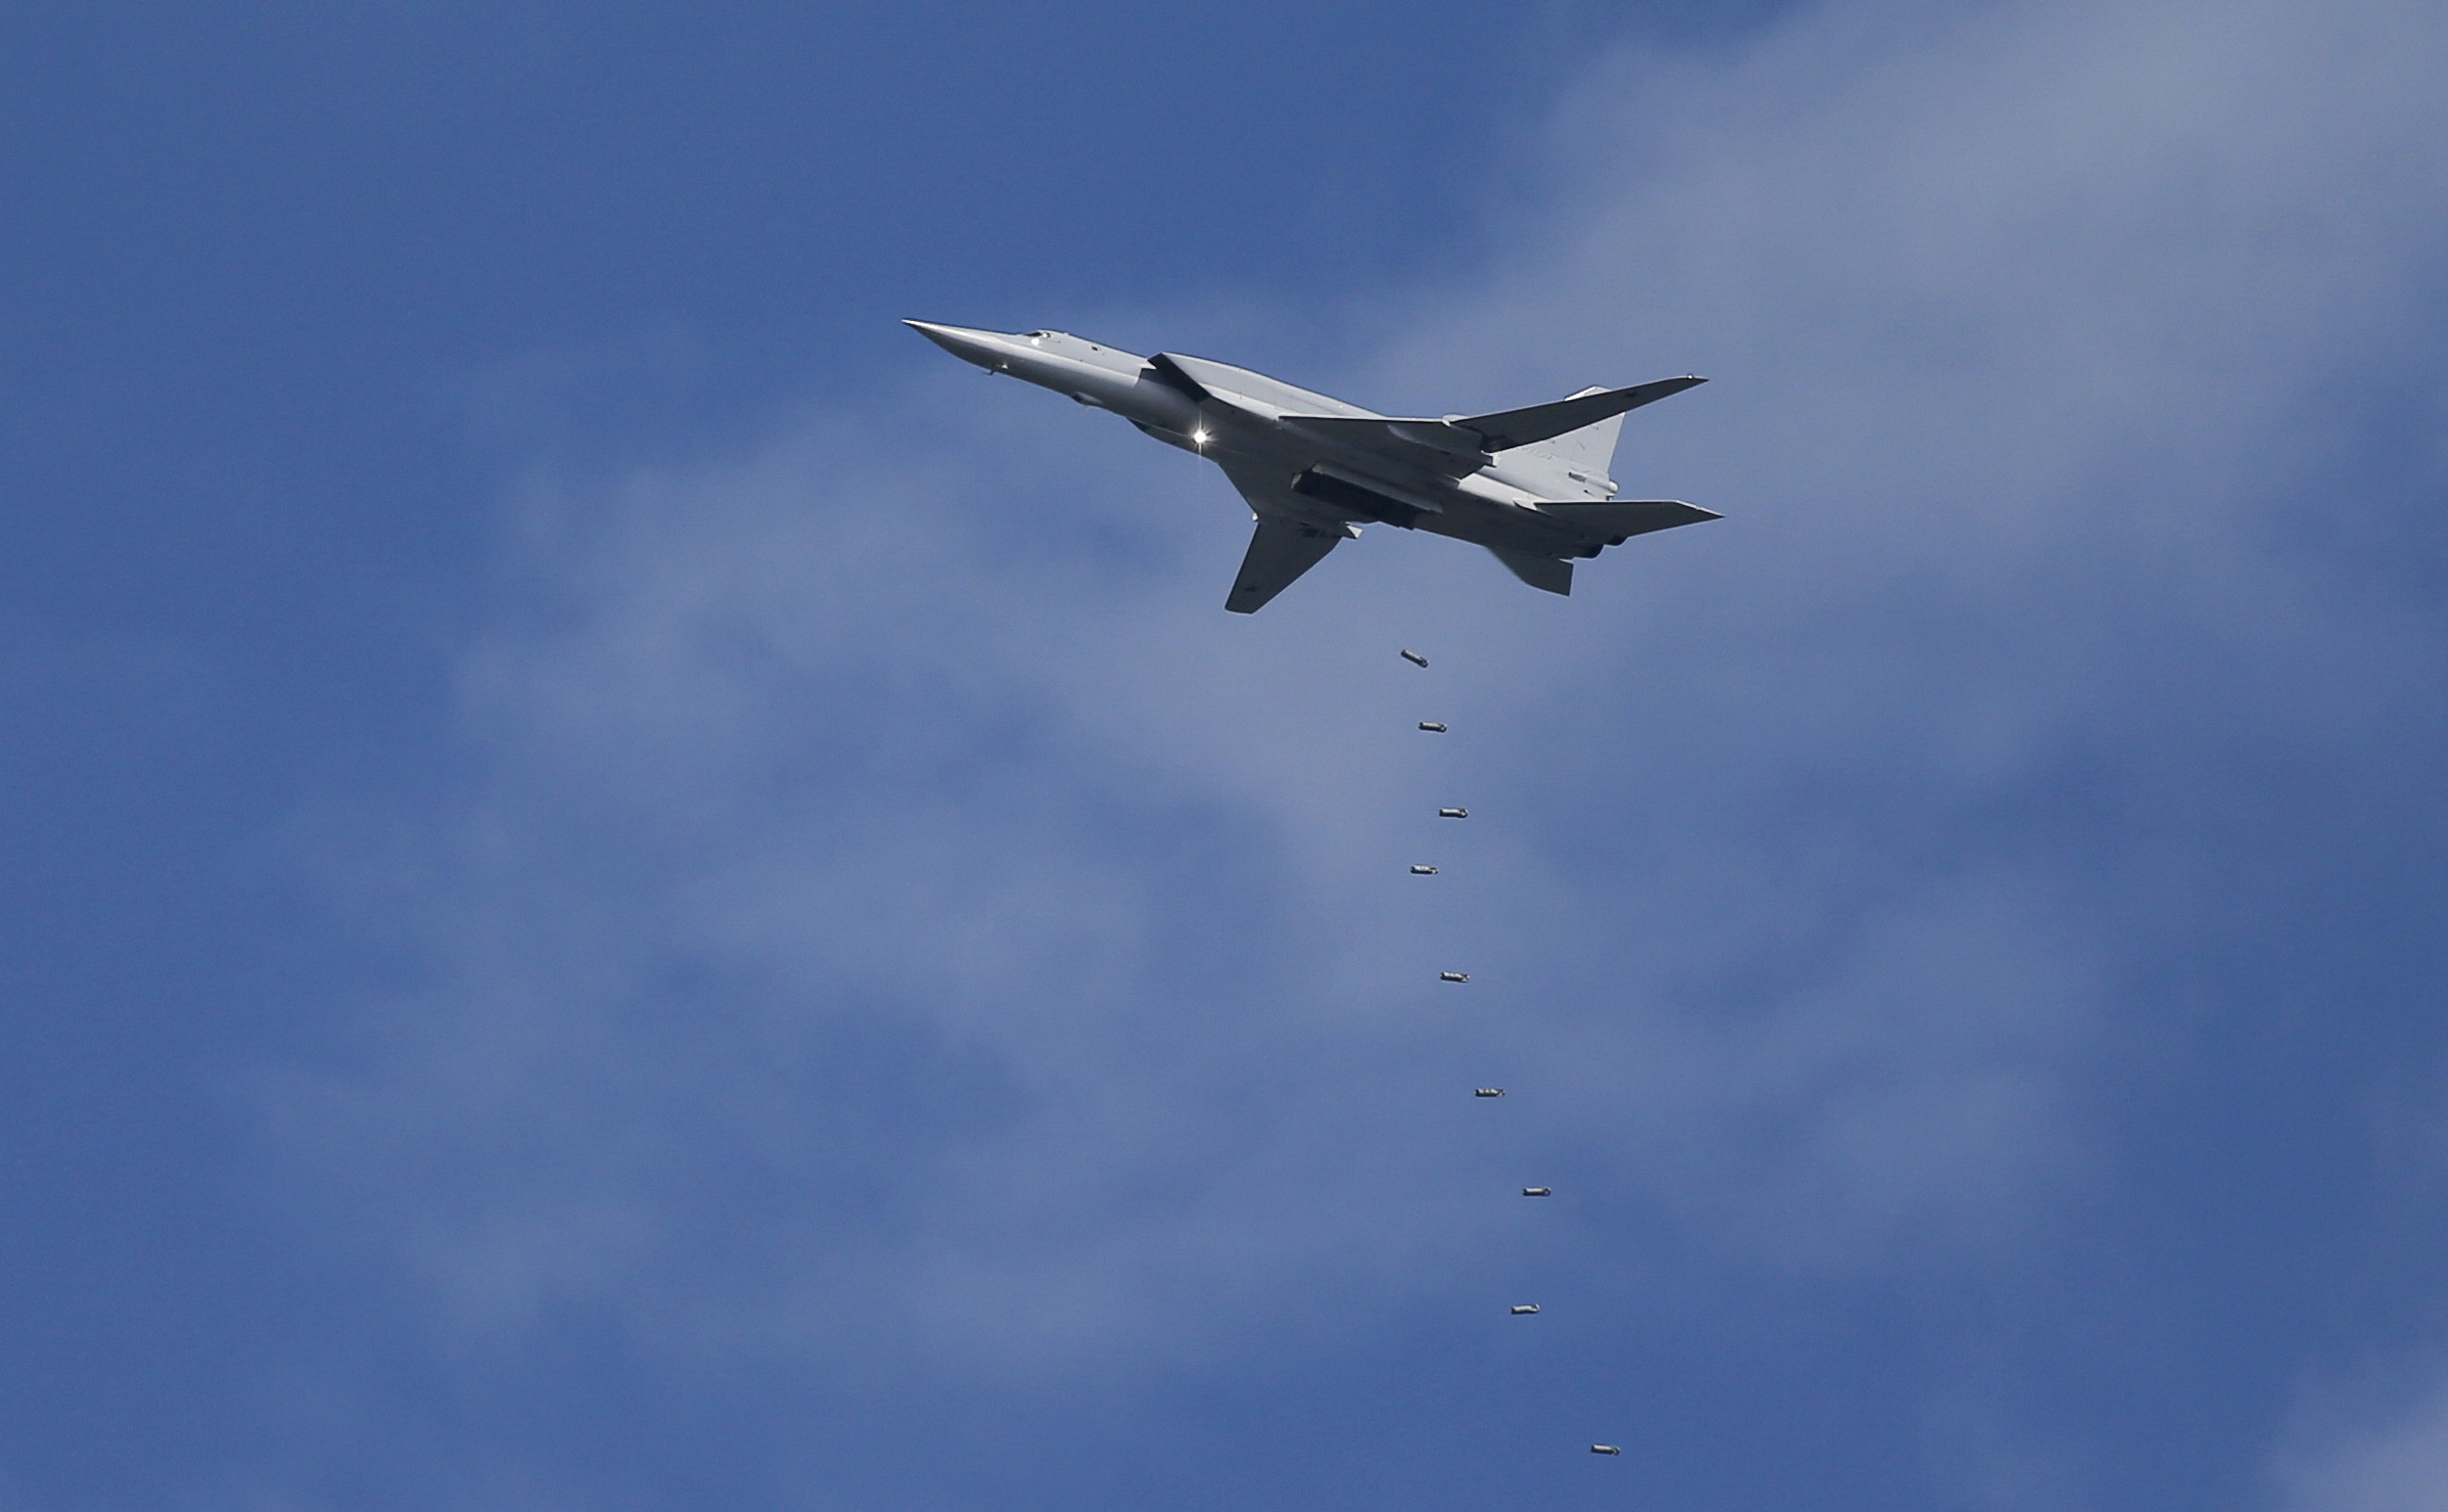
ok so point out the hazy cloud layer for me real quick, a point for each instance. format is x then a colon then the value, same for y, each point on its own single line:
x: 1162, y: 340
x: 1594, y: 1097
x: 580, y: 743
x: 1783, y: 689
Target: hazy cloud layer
x: 894, y: 921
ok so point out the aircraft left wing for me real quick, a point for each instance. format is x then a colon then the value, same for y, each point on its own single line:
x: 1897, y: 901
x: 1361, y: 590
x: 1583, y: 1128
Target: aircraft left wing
x: 1280, y: 552
x: 1282, y: 547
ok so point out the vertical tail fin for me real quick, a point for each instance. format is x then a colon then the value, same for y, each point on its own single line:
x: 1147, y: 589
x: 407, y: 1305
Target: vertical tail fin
x: 1590, y: 449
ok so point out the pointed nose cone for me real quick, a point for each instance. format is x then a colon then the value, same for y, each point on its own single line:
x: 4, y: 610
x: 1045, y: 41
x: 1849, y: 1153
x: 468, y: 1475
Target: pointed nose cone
x: 983, y: 347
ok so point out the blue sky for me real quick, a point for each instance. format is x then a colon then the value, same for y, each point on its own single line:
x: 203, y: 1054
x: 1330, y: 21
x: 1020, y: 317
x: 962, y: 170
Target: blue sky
x: 628, y: 888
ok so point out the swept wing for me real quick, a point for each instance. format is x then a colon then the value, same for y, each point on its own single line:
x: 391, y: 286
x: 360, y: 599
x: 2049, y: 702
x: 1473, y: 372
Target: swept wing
x: 1464, y: 440
x: 1282, y: 548
x: 1280, y: 552
x: 1511, y: 428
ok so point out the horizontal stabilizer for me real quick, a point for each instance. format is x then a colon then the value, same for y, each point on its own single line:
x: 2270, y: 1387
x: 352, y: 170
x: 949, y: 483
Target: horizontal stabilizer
x: 1508, y: 429
x: 1278, y: 553
x: 1622, y: 518
x: 1542, y: 572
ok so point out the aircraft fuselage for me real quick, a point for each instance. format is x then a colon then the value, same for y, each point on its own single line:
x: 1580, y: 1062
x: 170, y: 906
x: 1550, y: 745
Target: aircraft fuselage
x: 1242, y: 417
x: 1529, y: 484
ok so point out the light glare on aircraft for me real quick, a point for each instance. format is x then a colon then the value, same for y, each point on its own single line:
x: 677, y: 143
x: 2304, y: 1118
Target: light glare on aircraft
x: 1531, y: 486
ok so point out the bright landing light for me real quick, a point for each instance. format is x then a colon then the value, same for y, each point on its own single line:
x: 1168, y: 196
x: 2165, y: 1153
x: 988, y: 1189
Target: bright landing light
x: 1199, y: 435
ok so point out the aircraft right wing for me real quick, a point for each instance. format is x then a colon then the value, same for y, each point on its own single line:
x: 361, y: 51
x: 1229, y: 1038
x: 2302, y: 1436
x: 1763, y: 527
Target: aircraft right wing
x: 1460, y: 441
x: 1508, y: 429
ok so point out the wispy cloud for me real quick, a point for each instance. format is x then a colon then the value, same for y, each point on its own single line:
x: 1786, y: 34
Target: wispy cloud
x: 895, y: 916
x: 2372, y: 1450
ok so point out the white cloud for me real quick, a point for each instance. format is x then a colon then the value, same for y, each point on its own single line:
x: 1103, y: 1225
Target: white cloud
x: 898, y: 914
x: 2371, y: 1458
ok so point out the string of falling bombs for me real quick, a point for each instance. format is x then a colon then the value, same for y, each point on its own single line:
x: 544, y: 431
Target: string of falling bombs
x: 1424, y: 869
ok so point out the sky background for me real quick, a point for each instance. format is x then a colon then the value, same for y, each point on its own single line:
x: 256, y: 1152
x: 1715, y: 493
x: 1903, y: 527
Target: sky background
x: 625, y: 887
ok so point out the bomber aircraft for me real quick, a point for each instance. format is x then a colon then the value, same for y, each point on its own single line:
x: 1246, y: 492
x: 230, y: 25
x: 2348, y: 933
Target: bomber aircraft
x: 1529, y: 484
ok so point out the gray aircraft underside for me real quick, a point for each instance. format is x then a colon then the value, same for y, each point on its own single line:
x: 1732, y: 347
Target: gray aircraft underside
x: 1531, y: 484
